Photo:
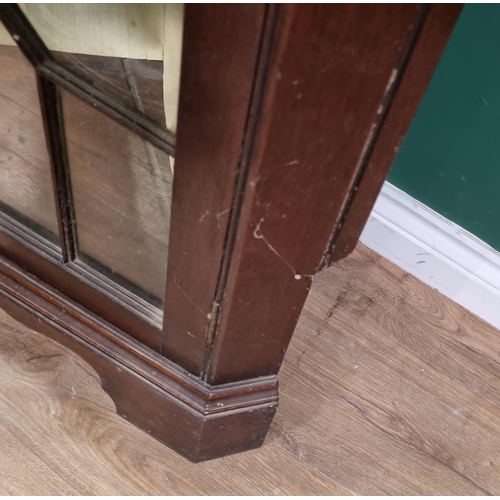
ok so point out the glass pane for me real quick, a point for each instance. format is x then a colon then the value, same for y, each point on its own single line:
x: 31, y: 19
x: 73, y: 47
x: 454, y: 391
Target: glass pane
x: 133, y: 50
x: 122, y: 189
x: 25, y: 180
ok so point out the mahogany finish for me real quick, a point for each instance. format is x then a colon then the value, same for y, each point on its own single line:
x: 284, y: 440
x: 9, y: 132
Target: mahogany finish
x: 322, y: 93
x: 426, y: 55
x: 220, y: 49
x: 80, y: 282
x: 289, y: 118
x: 199, y: 421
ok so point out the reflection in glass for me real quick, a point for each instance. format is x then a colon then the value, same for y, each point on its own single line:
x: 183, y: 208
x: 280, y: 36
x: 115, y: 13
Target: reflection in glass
x: 122, y: 189
x: 25, y: 179
x: 133, y: 50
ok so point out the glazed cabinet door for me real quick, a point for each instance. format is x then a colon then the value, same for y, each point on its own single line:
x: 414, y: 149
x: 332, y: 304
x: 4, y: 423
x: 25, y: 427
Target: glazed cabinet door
x: 88, y: 200
x: 172, y: 178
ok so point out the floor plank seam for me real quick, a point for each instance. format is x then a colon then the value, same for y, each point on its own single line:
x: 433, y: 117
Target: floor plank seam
x: 413, y: 445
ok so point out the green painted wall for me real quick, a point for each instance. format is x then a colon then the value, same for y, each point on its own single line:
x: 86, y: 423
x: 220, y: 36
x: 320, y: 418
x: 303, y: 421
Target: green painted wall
x: 450, y: 159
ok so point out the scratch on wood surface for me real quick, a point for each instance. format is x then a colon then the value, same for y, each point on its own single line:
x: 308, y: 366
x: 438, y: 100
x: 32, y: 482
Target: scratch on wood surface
x: 189, y: 298
x: 204, y: 215
x: 257, y: 233
x: 219, y: 216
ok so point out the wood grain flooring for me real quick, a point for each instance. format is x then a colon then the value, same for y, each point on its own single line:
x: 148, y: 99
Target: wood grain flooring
x: 60, y: 435
x: 387, y: 388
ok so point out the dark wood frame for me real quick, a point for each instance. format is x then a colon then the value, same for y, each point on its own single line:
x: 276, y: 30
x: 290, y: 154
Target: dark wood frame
x: 289, y: 119
x: 61, y: 267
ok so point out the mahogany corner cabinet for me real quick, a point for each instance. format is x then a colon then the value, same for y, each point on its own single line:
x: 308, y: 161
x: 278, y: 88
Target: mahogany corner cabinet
x: 173, y: 176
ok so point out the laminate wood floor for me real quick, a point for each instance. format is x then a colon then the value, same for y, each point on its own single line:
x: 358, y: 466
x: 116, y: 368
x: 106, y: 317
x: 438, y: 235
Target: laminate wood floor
x: 388, y: 388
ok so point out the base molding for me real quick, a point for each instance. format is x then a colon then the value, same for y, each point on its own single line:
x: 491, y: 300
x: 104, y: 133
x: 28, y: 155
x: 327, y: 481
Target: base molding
x: 197, y: 420
x: 435, y: 250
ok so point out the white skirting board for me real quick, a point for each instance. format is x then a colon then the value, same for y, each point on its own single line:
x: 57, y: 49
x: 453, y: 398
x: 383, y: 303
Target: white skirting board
x: 435, y: 250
